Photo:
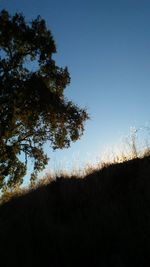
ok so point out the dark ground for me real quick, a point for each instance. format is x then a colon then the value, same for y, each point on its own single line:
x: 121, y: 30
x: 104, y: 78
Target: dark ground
x: 102, y: 220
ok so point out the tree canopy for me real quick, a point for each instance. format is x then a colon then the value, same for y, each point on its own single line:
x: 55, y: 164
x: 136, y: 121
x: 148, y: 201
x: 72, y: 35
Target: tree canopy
x: 33, y: 108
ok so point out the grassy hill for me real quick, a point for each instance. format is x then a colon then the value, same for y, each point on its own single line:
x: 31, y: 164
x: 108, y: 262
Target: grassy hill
x: 101, y: 220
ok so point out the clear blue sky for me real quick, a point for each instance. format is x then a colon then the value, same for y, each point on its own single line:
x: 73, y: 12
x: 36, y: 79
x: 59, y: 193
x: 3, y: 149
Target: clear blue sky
x: 106, y: 46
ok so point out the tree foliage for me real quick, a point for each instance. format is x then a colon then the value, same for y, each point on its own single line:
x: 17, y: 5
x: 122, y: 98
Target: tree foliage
x: 33, y: 109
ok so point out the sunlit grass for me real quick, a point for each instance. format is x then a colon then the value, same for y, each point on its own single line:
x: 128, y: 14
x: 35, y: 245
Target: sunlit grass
x: 130, y: 147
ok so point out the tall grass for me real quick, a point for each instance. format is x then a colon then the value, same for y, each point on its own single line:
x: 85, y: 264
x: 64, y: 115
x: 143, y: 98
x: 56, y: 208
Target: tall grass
x: 130, y: 147
x: 101, y: 219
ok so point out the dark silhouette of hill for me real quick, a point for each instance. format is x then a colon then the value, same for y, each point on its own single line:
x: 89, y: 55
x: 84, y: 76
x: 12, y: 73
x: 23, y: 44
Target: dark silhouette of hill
x: 101, y: 220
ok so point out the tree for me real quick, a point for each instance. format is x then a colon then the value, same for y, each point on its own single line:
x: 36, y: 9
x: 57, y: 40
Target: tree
x: 33, y: 109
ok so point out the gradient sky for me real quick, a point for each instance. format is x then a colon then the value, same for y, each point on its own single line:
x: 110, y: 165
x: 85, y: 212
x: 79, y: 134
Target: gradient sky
x: 106, y: 46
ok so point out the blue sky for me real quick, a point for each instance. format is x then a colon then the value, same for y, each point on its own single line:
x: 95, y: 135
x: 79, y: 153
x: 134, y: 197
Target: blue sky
x: 106, y: 46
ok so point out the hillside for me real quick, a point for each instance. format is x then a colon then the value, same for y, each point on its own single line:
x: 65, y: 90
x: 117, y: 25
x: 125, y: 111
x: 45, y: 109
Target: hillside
x: 101, y: 220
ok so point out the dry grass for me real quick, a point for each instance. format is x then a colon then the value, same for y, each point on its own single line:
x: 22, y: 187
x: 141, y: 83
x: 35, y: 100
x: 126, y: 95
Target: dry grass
x: 129, y: 148
x: 101, y: 220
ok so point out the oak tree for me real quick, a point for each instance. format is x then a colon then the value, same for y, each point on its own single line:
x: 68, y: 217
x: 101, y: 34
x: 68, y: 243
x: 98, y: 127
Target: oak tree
x: 33, y: 108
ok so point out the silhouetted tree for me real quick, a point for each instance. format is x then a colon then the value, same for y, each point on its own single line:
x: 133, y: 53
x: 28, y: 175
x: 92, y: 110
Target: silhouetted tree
x: 33, y: 109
